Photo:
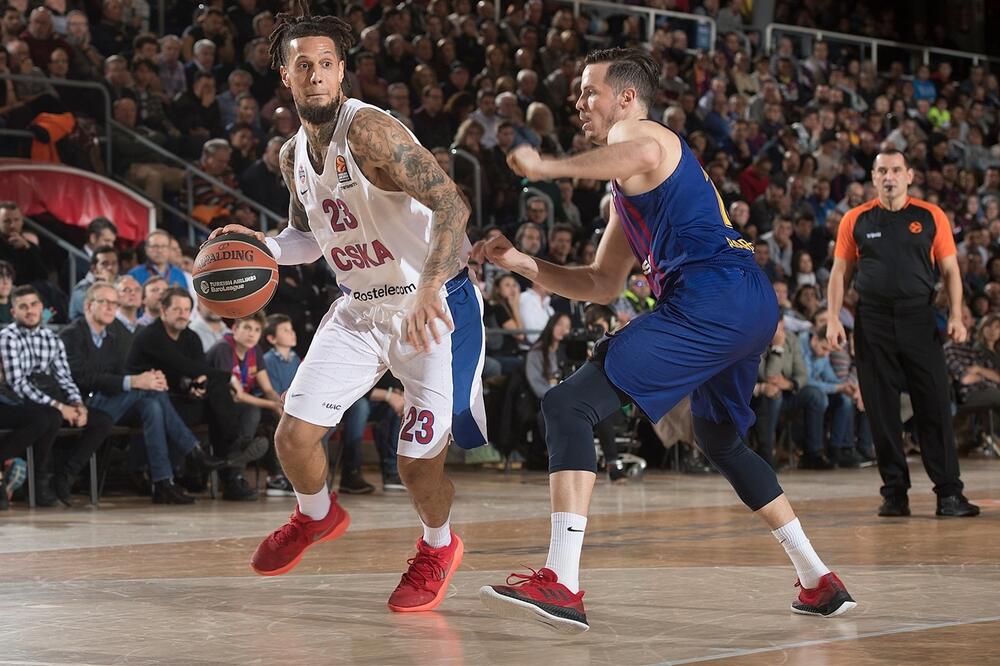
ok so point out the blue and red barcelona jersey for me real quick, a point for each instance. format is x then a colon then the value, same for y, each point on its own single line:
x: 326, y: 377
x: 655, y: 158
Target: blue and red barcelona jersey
x: 680, y: 223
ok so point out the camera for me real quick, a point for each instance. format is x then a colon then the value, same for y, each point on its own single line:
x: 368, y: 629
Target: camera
x: 188, y: 384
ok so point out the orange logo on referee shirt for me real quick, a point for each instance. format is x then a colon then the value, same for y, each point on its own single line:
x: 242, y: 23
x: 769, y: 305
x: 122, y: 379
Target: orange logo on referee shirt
x: 916, y: 227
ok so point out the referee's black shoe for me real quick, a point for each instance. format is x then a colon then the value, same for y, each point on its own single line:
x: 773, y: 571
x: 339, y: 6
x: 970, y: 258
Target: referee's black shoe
x: 956, y: 506
x: 894, y: 507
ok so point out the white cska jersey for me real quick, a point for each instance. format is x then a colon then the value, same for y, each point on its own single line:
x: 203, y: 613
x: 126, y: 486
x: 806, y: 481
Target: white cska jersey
x: 375, y: 241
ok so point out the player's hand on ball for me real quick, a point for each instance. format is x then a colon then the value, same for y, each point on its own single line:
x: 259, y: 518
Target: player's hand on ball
x: 525, y: 161
x: 421, y: 321
x: 237, y: 229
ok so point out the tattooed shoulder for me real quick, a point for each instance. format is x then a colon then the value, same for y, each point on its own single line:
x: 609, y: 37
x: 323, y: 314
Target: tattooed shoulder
x: 297, y: 216
x: 379, y: 142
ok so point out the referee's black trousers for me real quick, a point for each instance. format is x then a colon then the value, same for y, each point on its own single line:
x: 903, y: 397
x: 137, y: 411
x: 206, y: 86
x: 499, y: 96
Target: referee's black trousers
x: 898, y: 349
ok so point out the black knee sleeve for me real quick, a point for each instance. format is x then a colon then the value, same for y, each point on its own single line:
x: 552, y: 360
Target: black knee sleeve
x: 571, y: 410
x: 752, y: 478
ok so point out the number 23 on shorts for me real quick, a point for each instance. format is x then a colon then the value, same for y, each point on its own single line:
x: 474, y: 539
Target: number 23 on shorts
x: 418, y: 425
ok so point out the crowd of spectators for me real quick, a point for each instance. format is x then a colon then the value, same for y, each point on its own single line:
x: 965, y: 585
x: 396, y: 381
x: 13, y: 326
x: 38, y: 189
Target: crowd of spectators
x: 787, y: 135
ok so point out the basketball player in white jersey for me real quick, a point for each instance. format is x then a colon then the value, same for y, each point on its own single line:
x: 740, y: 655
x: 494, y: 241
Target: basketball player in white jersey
x: 370, y: 200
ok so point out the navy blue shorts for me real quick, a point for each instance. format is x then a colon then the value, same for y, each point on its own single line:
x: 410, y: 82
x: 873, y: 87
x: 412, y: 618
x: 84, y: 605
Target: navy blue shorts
x: 703, y: 339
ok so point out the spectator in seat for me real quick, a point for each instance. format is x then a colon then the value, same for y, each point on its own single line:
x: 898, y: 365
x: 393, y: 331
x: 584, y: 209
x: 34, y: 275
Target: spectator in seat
x: 782, y: 384
x: 536, y: 309
x: 200, y: 392
x: 104, y: 268
x: 129, y: 301
x: 383, y: 406
x: 209, y: 327
x: 244, y: 145
x: 560, y: 245
x: 636, y: 299
x: 101, y: 232
x: 97, y: 352
x: 839, y: 397
x: 203, y: 61
x: 29, y: 425
x: 779, y: 242
x: 26, y: 257
x: 211, y: 201
x: 172, y: 75
x: 504, y: 311
x: 258, y: 63
x: 152, y: 294
x: 247, y: 111
x: 112, y: 35
x: 972, y: 366
x: 37, y: 373
x: 157, y: 250
x: 263, y: 182
x: 431, y: 124
x: 196, y: 111
x: 238, y: 83
x: 135, y: 161
x: 6, y: 287
x: 40, y: 36
x: 282, y: 363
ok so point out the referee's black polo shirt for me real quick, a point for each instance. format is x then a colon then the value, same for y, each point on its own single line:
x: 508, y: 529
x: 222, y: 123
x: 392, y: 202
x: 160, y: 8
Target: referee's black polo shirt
x: 895, y: 251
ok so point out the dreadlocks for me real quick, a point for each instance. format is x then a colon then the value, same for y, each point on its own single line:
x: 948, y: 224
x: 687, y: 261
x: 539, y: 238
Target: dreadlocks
x: 299, y: 23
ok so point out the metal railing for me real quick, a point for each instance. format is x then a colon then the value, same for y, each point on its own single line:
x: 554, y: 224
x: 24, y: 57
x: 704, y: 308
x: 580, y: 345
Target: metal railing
x: 872, y: 43
x: 263, y: 214
x: 73, y: 251
x: 477, y: 186
x: 89, y: 85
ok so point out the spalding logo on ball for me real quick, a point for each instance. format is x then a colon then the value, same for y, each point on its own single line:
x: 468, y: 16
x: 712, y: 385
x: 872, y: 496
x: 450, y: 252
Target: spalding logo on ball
x: 235, y: 275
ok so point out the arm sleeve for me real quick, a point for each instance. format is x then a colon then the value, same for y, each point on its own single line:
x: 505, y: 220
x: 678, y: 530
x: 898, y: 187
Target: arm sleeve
x: 944, y: 240
x: 292, y: 247
x: 846, y: 248
x: 60, y: 367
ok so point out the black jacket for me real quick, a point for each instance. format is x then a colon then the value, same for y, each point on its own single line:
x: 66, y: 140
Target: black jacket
x: 95, y: 370
x: 153, y: 349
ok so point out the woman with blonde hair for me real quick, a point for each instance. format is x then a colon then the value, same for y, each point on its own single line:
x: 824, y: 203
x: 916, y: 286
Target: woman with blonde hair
x: 542, y: 122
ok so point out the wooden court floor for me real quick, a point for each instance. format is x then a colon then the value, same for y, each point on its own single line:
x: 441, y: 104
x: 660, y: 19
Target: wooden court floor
x: 676, y: 571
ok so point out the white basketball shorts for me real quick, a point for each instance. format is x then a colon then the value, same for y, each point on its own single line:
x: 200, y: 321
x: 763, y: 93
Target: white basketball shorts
x: 443, y: 390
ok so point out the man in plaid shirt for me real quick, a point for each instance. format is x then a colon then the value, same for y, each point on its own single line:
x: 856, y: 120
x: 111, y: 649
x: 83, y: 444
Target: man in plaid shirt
x: 36, y: 371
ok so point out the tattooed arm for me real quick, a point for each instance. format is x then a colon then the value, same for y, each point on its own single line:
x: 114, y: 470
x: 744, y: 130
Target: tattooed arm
x: 296, y: 243
x: 385, y: 151
x: 380, y: 145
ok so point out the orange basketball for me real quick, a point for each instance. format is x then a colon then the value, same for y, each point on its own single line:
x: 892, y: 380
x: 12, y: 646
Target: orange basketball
x: 235, y: 275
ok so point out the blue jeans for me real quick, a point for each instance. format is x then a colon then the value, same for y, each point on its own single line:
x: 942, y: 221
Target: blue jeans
x: 386, y: 431
x: 160, y: 424
x: 813, y: 404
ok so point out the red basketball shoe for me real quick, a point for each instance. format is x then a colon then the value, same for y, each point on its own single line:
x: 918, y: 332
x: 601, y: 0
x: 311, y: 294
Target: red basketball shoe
x: 425, y: 583
x: 827, y: 599
x: 539, y: 597
x: 284, y: 547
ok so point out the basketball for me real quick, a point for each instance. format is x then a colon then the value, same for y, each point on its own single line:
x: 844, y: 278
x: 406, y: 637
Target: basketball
x: 235, y: 275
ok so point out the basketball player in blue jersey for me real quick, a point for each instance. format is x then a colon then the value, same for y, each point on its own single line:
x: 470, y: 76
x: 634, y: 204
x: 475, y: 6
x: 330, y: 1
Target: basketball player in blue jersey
x: 715, y: 315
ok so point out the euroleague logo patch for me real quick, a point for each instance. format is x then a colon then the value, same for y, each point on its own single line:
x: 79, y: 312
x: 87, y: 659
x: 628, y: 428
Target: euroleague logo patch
x: 916, y: 227
x: 302, y: 175
x: 342, y: 175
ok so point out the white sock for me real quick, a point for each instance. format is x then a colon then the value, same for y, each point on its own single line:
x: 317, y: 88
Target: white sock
x: 438, y: 537
x: 315, y: 506
x: 807, y: 563
x: 565, y: 545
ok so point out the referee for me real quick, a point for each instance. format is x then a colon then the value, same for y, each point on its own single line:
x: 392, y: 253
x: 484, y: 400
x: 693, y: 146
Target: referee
x: 896, y: 242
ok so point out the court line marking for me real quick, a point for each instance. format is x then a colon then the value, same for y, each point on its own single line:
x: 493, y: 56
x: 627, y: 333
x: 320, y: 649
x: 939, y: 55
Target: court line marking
x: 791, y: 646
